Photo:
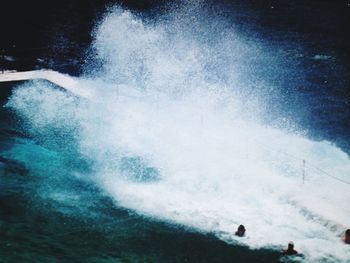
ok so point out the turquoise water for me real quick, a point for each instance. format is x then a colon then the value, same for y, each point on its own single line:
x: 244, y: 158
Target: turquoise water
x: 193, y: 127
x: 49, y: 214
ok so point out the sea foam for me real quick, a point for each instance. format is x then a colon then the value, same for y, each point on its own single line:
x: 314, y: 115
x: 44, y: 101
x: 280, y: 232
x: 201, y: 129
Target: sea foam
x: 175, y: 131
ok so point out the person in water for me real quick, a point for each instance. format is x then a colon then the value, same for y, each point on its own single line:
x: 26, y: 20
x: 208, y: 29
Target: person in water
x: 290, y: 250
x: 240, y: 231
x: 346, y: 237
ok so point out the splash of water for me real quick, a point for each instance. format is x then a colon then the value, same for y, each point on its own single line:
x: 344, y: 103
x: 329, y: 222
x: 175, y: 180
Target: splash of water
x: 171, y: 134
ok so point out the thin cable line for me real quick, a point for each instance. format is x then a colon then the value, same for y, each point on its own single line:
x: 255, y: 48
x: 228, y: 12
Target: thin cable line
x: 307, y: 162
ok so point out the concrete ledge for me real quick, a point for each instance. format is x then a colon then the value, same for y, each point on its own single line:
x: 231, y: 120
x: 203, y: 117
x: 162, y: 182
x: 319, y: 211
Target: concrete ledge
x: 65, y: 81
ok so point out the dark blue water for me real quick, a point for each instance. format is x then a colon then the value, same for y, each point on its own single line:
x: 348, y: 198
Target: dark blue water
x: 312, y: 37
x: 48, y: 215
x: 83, y: 224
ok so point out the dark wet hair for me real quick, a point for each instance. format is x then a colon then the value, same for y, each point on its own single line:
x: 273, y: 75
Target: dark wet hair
x: 347, y: 232
x: 241, y: 227
x: 240, y: 231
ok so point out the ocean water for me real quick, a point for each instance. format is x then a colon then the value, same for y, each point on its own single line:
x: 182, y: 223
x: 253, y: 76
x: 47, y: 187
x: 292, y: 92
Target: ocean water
x: 53, y: 211
x: 195, y: 126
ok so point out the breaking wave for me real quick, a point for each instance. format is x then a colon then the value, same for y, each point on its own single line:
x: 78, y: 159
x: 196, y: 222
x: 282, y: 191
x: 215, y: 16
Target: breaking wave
x: 176, y: 131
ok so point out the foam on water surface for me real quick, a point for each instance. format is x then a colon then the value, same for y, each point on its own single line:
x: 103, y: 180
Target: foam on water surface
x: 170, y: 132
